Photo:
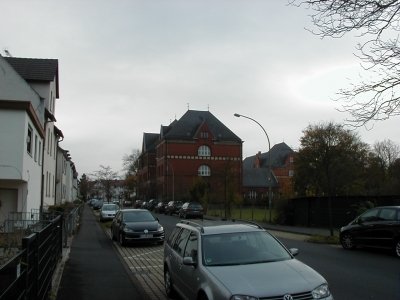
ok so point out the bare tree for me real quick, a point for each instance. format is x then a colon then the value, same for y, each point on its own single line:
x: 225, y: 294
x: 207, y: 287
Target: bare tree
x: 106, y: 178
x: 388, y: 152
x: 131, y: 162
x: 377, y: 22
x: 131, y: 165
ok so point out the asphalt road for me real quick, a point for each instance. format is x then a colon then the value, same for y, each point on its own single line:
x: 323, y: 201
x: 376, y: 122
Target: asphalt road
x: 361, y: 274
x: 99, y: 268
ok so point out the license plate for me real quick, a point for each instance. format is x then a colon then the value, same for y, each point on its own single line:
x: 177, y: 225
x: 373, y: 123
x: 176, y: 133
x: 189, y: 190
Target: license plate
x: 146, y: 236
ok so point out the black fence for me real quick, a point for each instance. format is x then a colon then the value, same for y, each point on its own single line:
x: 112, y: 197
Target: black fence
x: 28, y: 275
x: 314, y: 211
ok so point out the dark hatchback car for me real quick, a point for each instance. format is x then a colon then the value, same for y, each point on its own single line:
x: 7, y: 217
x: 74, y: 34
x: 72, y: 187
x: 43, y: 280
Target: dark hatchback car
x: 377, y: 227
x: 173, y: 207
x: 136, y: 225
x: 191, y: 210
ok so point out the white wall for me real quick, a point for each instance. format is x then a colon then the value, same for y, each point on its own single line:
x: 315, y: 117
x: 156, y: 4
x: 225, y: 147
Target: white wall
x: 18, y: 169
x: 14, y: 88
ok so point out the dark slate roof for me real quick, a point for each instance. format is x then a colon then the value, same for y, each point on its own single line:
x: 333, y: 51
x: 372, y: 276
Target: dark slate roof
x: 257, y: 178
x: 279, y: 153
x: 35, y: 69
x: 187, y: 126
x: 150, y: 141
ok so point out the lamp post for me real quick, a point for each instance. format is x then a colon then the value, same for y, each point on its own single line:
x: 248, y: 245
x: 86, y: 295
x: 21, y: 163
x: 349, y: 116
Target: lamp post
x: 269, y: 166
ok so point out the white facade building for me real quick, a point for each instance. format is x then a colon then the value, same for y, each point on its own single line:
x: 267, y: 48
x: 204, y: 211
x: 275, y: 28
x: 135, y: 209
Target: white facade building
x: 28, y: 137
x: 21, y: 140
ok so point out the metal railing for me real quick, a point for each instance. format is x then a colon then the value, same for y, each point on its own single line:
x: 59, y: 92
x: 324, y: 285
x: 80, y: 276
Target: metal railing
x: 29, y: 273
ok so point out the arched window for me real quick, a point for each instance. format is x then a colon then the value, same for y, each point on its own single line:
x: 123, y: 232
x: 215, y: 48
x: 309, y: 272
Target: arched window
x: 204, y: 151
x: 204, y: 170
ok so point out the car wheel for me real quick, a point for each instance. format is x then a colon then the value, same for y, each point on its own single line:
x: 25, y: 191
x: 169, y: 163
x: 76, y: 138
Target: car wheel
x: 169, y: 289
x: 122, y: 240
x: 347, y: 241
x: 397, y: 248
x: 202, y: 296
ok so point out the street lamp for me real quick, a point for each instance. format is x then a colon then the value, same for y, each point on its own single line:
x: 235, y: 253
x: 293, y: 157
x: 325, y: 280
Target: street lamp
x: 269, y: 164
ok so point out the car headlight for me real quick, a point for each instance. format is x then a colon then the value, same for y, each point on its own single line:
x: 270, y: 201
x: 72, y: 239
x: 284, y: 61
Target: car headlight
x: 127, y: 229
x: 160, y: 228
x: 321, y: 292
x: 243, y: 297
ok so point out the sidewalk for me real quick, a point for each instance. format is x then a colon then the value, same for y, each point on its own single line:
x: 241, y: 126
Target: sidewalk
x: 300, y: 230
x: 92, y: 270
x: 292, y: 229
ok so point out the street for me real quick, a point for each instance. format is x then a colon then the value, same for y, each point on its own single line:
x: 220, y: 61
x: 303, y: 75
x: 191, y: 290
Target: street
x: 361, y: 274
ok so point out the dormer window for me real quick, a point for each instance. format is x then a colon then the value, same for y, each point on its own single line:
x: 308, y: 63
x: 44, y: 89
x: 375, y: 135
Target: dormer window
x: 204, y: 151
x: 204, y: 135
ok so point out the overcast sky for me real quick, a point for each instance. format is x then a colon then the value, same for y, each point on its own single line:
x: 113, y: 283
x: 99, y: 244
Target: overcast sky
x: 128, y: 67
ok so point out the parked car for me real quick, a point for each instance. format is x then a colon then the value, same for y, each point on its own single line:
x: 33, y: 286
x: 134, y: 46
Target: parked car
x: 97, y: 204
x: 152, y: 204
x: 138, y: 203
x: 160, y: 208
x: 127, y: 203
x: 108, y: 211
x: 136, y: 225
x: 235, y: 260
x: 378, y: 227
x: 90, y: 202
x: 191, y: 209
x: 173, y: 207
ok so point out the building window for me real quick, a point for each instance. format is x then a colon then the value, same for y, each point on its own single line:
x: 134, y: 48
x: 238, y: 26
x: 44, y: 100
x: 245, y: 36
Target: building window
x: 204, y: 170
x: 204, y: 135
x: 48, y: 141
x: 40, y: 153
x: 291, y: 173
x: 36, y: 149
x: 204, y: 151
x: 29, y: 140
x: 291, y: 159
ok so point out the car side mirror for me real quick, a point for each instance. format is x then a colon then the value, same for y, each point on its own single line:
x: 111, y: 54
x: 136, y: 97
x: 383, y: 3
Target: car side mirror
x: 294, y: 251
x: 189, y: 261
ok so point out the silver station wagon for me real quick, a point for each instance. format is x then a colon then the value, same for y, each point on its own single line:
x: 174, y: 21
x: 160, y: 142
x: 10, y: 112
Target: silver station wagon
x: 236, y: 261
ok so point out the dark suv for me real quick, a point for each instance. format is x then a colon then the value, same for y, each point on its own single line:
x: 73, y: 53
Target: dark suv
x: 377, y: 227
x: 235, y: 261
x: 192, y: 210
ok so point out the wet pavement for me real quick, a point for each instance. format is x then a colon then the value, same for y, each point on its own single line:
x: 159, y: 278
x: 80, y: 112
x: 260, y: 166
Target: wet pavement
x: 95, y: 267
x: 93, y: 270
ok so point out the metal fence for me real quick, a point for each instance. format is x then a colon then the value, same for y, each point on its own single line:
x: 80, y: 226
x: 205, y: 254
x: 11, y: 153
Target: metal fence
x: 28, y: 275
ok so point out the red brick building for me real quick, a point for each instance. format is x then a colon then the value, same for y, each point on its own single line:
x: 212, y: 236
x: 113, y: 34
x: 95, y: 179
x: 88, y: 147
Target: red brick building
x: 256, y: 173
x: 197, y: 149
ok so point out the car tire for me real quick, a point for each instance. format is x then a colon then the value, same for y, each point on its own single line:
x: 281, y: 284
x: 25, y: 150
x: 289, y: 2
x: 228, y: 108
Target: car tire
x: 347, y: 241
x: 112, y: 235
x: 397, y: 248
x: 169, y: 289
x: 202, y: 296
x: 122, y: 240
